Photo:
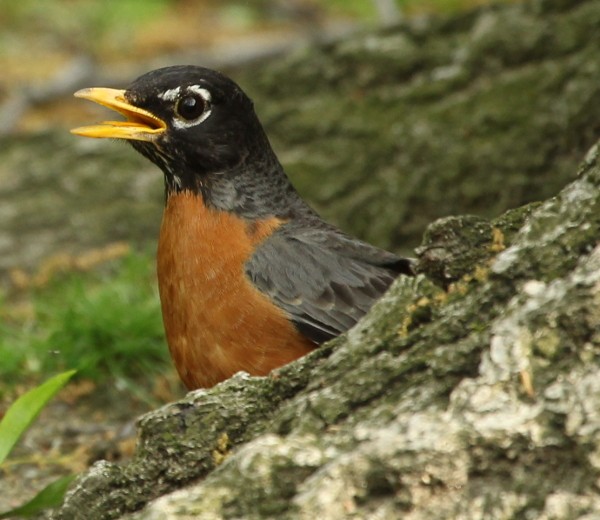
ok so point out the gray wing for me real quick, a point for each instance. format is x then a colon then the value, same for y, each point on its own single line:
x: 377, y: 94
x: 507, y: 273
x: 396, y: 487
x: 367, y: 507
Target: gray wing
x: 324, y: 280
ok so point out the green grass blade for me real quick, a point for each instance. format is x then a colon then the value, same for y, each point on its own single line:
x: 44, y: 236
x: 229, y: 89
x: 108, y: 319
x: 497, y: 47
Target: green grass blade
x: 25, y: 409
x: 51, y: 496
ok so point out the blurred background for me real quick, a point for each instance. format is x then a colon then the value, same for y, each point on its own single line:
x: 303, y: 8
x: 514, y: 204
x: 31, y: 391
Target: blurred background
x: 49, y: 48
x: 76, y: 244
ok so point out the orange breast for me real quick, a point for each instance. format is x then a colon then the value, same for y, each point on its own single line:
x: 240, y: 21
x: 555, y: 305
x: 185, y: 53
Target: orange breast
x: 217, y: 323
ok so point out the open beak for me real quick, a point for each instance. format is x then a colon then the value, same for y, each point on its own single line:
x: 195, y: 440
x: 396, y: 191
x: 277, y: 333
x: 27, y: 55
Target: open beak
x: 141, y: 125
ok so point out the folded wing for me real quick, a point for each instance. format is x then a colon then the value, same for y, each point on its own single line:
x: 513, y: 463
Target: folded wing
x: 326, y: 281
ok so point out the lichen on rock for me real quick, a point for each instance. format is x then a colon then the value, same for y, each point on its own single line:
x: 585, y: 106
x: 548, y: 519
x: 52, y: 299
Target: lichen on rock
x: 433, y: 422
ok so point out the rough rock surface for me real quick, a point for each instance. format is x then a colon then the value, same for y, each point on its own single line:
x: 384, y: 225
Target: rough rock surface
x: 383, y: 132
x: 478, y: 401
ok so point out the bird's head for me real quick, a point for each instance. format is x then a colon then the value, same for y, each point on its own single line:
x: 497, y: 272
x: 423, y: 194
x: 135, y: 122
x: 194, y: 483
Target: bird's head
x: 192, y: 122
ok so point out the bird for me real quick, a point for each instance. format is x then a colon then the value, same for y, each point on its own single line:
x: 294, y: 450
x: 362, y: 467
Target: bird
x: 250, y: 277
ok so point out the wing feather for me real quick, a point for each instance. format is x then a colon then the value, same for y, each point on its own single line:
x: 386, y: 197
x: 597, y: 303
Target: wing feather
x: 326, y: 281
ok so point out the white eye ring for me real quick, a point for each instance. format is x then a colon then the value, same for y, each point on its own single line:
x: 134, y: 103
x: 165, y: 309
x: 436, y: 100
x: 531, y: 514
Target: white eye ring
x: 193, y: 91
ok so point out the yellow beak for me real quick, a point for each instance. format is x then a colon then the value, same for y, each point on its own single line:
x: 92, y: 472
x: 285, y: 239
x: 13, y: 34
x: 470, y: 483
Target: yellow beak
x: 141, y: 125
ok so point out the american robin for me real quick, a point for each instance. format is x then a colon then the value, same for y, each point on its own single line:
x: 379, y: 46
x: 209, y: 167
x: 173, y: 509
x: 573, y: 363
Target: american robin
x: 250, y: 277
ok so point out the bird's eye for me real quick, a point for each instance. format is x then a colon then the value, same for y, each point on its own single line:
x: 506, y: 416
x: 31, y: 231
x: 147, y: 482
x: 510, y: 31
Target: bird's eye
x: 191, y: 107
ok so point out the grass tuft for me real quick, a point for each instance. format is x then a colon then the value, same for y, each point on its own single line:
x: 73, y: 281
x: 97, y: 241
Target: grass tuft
x: 101, y: 323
